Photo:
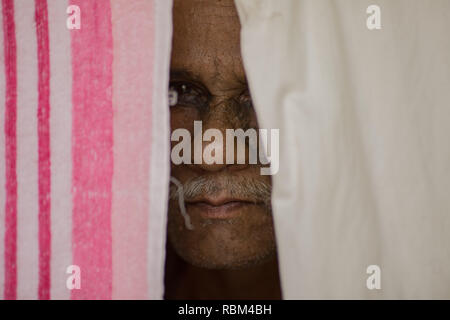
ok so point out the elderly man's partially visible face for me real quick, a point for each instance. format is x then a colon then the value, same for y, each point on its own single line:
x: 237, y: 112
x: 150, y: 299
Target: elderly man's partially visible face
x: 228, y: 204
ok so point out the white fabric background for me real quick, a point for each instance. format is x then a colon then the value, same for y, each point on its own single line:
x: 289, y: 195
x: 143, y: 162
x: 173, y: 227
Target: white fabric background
x: 364, y: 119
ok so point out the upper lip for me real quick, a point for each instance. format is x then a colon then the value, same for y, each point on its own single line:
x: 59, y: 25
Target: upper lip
x: 217, y: 201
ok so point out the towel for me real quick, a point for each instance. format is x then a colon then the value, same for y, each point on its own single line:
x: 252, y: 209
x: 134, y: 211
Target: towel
x: 360, y: 202
x: 84, y: 148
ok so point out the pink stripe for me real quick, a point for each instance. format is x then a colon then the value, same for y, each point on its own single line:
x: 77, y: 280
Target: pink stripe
x: 133, y: 89
x: 43, y: 115
x: 92, y: 143
x: 10, y: 151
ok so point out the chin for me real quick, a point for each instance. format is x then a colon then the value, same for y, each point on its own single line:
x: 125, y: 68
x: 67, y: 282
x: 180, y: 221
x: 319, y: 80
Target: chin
x: 224, y: 244
x: 235, y: 260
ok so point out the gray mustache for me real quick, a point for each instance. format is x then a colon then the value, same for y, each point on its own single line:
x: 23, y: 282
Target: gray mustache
x: 235, y: 186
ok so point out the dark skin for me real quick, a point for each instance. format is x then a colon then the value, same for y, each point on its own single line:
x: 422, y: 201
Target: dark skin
x: 233, y: 258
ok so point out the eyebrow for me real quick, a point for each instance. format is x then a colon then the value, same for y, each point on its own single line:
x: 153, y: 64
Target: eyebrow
x: 192, y: 76
x: 185, y: 74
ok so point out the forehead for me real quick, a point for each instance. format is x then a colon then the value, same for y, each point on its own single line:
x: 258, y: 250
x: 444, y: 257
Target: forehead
x: 206, y: 40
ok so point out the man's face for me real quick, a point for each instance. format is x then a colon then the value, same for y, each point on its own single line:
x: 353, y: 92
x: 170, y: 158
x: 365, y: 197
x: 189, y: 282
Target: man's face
x: 228, y: 204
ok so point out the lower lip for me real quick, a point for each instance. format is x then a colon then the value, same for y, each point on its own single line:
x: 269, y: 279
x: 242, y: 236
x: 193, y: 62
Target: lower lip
x: 225, y: 211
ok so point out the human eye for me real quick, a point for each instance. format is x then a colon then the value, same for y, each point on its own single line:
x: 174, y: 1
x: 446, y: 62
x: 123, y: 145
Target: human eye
x: 245, y: 99
x: 182, y: 93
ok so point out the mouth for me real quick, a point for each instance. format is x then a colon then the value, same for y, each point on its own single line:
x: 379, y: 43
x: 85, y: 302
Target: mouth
x: 219, y: 207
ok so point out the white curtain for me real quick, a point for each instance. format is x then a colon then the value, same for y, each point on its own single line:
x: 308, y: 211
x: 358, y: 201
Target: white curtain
x: 364, y: 119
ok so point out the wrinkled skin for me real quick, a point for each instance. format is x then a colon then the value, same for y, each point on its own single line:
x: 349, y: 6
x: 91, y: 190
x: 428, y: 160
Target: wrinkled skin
x: 237, y: 255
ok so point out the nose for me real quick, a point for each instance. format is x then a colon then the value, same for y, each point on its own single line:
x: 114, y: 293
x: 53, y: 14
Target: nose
x: 215, y: 146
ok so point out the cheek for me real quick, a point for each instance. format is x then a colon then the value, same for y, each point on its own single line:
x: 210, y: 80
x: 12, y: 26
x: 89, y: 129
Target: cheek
x: 183, y: 117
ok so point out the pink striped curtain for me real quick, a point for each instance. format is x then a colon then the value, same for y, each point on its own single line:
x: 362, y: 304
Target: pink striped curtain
x: 84, y: 148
